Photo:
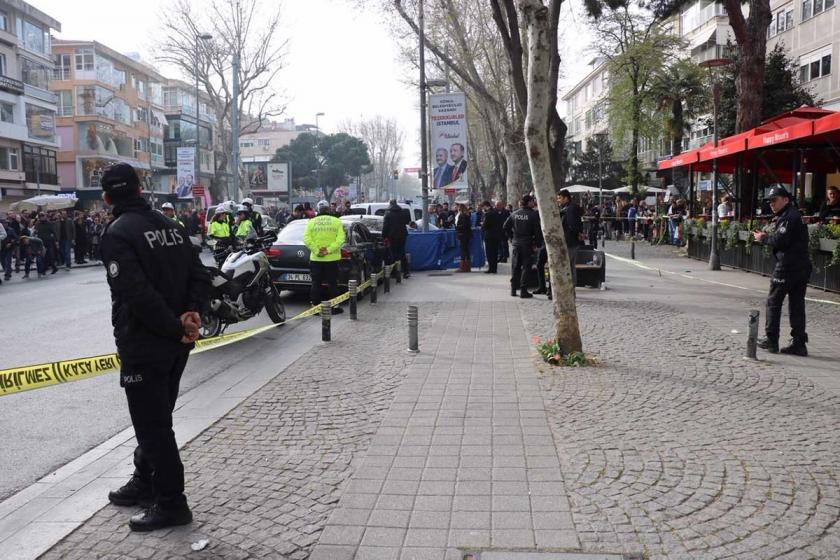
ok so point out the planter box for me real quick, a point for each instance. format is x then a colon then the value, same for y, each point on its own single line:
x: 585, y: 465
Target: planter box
x: 828, y: 245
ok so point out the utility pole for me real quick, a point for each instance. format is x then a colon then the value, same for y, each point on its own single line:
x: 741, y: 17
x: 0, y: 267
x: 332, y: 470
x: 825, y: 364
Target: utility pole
x: 235, y: 128
x: 424, y: 153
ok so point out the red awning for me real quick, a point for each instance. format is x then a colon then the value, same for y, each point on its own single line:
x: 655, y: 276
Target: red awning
x: 733, y: 146
x: 679, y: 160
x: 787, y: 134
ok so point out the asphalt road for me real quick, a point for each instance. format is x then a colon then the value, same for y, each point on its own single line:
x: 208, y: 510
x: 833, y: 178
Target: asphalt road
x: 66, y: 316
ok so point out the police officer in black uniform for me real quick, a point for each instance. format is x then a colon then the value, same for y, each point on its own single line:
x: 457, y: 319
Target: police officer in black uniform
x: 158, y: 286
x: 523, y: 228
x: 788, y: 238
x: 254, y: 216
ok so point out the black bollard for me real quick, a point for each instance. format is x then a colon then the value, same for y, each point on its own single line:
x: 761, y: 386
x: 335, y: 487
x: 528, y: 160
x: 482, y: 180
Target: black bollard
x: 374, y: 286
x: 752, y: 337
x: 386, y: 284
x: 353, y: 288
x: 398, y: 272
x: 407, y: 271
x: 413, y: 324
x: 326, y: 321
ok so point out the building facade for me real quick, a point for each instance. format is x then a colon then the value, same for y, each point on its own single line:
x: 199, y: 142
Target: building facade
x: 28, y: 138
x: 586, y: 109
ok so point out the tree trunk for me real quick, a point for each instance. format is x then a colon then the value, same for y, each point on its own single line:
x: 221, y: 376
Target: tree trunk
x: 749, y: 84
x: 634, y: 149
x: 539, y: 109
x: 516, y: 157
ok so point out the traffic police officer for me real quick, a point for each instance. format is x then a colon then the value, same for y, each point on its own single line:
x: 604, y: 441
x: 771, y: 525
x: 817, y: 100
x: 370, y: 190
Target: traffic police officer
x: 244, y: 228
x: 788, y: 238
x: 255, y: 217
x: 324, y: 237
x: 523, y: 228
x: 158, y: 286
x: 169, y: 211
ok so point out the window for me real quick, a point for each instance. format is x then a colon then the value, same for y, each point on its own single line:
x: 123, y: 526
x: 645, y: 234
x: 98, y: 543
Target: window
x: 813, y: 7
x: 141, y: 89
x: 4, y: 21
x: 34, y: 73
x: 33, y: 37
x: 40, y: 122
x: 246, y: 144
x: 806, y: 9
x: 84, y: 60
x: 7, y: 112
x: 782, y: 21
x: 65, y: 103
x: 264, y: 142
x: 141, y: 115
x: 9, y: 159
x: 39, y: 165
x: 3, y: 64
x: 170, y: 97
x: 62, y: 67
x: 815, y: 65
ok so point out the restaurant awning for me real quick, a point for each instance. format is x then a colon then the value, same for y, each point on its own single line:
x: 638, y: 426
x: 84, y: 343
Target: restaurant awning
x: 679, y: 160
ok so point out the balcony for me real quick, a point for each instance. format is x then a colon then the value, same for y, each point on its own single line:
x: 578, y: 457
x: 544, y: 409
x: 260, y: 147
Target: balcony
x: 43, y: 178
x: 40, y: 94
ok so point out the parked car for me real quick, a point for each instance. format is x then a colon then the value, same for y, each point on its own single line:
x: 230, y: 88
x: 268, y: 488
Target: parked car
x: 379, y: 209
x: 288, y: 257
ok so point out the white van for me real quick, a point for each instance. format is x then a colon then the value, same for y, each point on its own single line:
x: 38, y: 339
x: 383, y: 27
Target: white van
x: 379, y: 209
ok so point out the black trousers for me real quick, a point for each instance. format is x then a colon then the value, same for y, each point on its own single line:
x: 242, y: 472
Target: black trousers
x: 542, y: 260
x: 504, y: 250
x: 491, y: 248
x: 396, y: 252
x: 323, y: 273
x: 151, y: 390
x: 792, y: 285
x: 522, y: 258
x: 464, y: 243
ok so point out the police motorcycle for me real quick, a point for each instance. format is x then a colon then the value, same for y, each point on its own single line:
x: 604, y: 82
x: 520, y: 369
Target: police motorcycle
x: 242, y: 287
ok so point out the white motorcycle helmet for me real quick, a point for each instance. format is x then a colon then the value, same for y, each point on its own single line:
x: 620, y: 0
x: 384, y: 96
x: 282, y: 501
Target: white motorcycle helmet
x: 242, y: 208
x: 167, y: 206
x: 248, y: 201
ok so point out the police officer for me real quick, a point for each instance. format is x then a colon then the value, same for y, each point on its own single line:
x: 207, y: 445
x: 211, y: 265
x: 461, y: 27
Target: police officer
x: 169, y: 211
x: 788, y: 238
x: 244, y: 228
x: 324, y: 237
x: 523, y: 228
x: 158, y: 286
x: 394, y: 230
x: 494, y: 235
x: 255, y: 217
x: 572, y: 228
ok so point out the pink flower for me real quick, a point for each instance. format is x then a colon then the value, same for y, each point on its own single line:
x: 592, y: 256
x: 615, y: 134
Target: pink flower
x: 556, y: 357
x: 535, y: 340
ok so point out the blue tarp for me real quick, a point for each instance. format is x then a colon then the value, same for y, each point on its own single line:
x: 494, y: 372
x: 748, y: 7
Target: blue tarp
x: 439, y: 250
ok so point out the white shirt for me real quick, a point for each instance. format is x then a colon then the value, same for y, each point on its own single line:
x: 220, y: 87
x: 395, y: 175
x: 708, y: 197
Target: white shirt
x: 724, y: 210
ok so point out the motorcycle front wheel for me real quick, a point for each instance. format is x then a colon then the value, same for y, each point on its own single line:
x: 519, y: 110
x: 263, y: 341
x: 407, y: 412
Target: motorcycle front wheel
x: 274, y: 306
x: 211, y: 325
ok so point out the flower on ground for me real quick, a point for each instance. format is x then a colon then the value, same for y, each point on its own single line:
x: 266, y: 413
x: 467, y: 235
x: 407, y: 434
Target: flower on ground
x: 535, y: 340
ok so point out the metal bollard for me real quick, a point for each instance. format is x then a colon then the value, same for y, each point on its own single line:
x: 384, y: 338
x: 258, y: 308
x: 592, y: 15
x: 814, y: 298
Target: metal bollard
x: 752, y: 338
x: 413, y: 322
x: 398, y: 270
x: 386, y: 284
x: 633, y: 247
x: 326, y: 320
x: 407, y: 271
x: 353, y: 288
x: 374, y: 281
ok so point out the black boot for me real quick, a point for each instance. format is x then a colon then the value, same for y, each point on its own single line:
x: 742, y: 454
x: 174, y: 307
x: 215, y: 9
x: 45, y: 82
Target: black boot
x: 525, y: 294
x: 134, y: 492
x: 769, y: 344
x: 796, y: 347
x: 158, y: 517
x: 513, y: 292
x: 540, y: 290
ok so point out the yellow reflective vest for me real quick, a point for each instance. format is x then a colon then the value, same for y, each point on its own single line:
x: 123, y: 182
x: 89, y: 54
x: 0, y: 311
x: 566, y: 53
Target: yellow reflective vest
x: 219, y: 230
x: 324, y: 231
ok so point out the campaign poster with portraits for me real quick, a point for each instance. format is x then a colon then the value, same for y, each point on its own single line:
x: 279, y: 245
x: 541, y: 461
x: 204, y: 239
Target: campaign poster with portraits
x: 185, y: 164
x: 448, y: 141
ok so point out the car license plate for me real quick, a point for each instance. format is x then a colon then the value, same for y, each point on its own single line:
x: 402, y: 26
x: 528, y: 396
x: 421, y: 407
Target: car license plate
x: 297, y: 277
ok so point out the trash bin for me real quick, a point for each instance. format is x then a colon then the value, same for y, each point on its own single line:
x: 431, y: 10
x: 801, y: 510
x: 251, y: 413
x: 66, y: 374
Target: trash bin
x: 591, y: 268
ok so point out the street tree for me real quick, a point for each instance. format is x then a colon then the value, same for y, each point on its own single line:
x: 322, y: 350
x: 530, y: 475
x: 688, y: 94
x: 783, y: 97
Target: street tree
x: 247, y: 29
x: 534, y: 72
x: 636, y: 49
x: 384, y: 139
x: 598, y: 160
x: 680, y: 95
x: 326, y: 162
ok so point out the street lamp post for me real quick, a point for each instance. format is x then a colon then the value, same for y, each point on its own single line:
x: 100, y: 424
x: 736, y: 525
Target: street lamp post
x: 424, y: 152
x: 196, y: 178
x: 600, y: 139
x: 317, y: 126
x: 714, y: 256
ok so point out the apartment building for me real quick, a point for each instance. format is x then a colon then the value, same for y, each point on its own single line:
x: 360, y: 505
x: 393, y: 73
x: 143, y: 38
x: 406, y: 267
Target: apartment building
x: 28, y: 139
x: 586, y: 113
x: 110, y: 110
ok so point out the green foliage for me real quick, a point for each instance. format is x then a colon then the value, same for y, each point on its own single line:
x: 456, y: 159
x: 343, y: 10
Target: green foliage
x: 680, y: 94
x: 586, y: 165
x: 824, y: 231
x: 782, y: 89
x: 328, y: 161
x: 552, y: 353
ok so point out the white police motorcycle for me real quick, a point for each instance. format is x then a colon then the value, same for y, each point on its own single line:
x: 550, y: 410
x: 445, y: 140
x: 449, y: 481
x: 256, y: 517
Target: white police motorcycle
x: 242, y: 287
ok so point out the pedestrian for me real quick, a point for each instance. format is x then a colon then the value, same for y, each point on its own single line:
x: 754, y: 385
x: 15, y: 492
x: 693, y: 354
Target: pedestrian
x: 66, y: 238
x: 523, y: 228
x: 96, y: 229
x: 788, y: 239
x: 633, y: 216
x: 504, y: 247
x: 395, y: 234
x: 492, y: 226
x: 80, y: 246
x: 724, y: 209
x: 32, y: 250
x: 307, y: 211
x: 324, y: 237
x: 594, y: 215
x: 572, y: 228
x: 830, y: 209
x: 8, y: 243
x: 45, y: 231
x: 158, y: 288
x: 463, y: 230
x: 297, y: 214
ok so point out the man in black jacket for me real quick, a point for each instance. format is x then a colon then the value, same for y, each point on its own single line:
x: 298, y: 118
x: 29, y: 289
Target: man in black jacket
x: 45, y: 230
x: 523, y: 228
x: 395, y: 233
x: 158, y: 286
x: 788, y: 239
x: 572, y: 227
x: 494, y: 234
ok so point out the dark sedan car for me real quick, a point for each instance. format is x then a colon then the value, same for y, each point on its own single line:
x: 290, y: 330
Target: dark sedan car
x: 288, y: 257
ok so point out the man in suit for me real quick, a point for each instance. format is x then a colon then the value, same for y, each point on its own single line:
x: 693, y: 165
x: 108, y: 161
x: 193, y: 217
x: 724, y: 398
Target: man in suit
x: 443, y: 171
x: 572, y: 227
x: 459, y: 164
x: 493, y: 228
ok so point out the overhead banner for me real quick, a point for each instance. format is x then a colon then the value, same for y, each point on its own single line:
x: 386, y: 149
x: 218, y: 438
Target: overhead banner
x: 185, y: 162
x: 448, y: 139
x: 278, y: 177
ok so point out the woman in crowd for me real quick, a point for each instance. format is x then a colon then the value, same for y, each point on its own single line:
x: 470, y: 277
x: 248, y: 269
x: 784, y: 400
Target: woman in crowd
x: 463, y: 229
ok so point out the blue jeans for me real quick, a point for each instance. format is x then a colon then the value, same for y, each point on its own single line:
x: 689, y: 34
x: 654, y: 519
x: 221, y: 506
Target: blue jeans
x: 66, y: 246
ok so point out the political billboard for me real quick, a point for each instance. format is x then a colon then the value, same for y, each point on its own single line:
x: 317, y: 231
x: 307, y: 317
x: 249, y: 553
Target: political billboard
x: 185, y: 163
x: 448, y: 140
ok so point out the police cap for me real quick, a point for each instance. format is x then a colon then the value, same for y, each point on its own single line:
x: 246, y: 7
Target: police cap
x: 778, y: 190
x: 120, y: 178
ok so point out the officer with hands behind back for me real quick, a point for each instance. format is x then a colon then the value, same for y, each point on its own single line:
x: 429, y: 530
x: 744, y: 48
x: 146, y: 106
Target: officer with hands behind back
x: 523, y: 227
x: 788, y: 238
x: 158, y: 286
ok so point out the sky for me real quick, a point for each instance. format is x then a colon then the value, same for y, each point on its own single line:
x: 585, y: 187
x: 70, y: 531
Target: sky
x: 341, y: 60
